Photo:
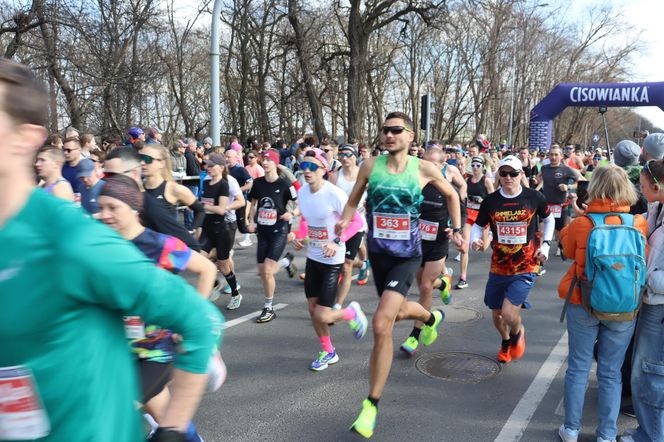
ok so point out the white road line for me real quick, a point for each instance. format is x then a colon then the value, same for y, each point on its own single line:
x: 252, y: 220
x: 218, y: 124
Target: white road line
x: 523, y: 412
x: 245, y: 318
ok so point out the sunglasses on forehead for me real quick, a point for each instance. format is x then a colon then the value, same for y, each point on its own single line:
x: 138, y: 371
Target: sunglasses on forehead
x: 396, y: 130
x: 646, y: 167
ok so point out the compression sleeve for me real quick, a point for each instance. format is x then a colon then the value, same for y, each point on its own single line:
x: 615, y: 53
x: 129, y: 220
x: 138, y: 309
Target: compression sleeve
x: 355, y: 226
x: 475, y: 233
x: 302, y: 230
x: 548, y: 224
x: 199, y: 214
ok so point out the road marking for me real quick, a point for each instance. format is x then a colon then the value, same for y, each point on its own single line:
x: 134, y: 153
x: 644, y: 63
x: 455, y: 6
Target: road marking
x: 245, y: 318
x: 523, y: 412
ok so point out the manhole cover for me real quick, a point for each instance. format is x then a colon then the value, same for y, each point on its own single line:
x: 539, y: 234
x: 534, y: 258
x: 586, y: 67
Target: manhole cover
x: 467, y: 368
x: 455, y: 313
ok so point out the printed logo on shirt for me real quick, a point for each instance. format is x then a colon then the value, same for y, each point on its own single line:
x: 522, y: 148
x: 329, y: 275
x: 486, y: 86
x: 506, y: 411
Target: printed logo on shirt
x: 393, y: 283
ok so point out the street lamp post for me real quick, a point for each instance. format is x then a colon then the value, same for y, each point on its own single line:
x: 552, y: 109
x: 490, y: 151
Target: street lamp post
x: 215, y: 95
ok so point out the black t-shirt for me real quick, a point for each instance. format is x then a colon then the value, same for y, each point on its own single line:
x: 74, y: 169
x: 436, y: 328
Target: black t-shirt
x: 240, y: 174
x: 272, y: 199
x: 157, y: 217
x: 434, y: 215
x: 514, y: 227
x: 210, y: 196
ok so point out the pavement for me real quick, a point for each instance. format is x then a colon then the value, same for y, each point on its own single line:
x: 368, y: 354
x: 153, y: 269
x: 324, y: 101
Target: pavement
x: 271, y: 395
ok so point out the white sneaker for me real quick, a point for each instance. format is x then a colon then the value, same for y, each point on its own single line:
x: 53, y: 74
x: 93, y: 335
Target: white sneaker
x: 567, y: 435
x: 558, y: 251
x: 216, y: 372
x: 246, y: 243
x: 458, y: 258
x: 234, y: 303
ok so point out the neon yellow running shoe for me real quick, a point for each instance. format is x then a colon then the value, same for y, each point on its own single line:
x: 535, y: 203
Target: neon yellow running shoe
x: 366, y: 422
x: 410, y: 345
x: 430, y: 333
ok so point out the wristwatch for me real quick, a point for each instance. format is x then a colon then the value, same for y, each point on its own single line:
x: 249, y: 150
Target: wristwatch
x: 337, y: 241
x: 547, y: 242
x: 456, y: 229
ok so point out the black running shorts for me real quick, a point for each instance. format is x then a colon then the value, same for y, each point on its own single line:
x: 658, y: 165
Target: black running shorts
x: 434, y: 250
x: 353, y: 245
x: 219, y: 235
x: 321, y: 282
x: 271, y: 245
x: 393, y: 273
x: 154, y: 378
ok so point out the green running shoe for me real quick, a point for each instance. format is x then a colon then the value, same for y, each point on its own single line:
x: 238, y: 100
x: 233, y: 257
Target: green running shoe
x: 366, y: 422
x: 409, y: 346
x: 430, y: 333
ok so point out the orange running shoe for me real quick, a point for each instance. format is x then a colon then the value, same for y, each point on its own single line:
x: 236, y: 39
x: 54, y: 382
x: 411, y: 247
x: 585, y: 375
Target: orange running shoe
x: 504, y: 355
x: 518, y: 344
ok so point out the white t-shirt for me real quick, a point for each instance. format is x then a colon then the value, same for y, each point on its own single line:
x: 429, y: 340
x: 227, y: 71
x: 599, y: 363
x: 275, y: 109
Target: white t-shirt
x: 322, y: 210
x: 233, y: 191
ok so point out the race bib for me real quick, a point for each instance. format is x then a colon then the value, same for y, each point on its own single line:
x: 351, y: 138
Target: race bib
x: 512, y: 233
x: 134, y: 327
x: 207, y: 201
x: 22, y: 414
x: 267, y: 217
x: 428, y: 230
x: 317, y: 236
x: 473, y: 205
x: 556, y: 210
x: 391, y: 226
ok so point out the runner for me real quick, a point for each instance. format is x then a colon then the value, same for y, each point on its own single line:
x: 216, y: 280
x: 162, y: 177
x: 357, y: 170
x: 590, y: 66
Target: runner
x: 394, y: 195
x: 219, y: 227
x: 479, y: 187
x: 345, y: 180
x: 245, y: 180
x: 87, y: 173
x: 269, y: 196
x: 432, y: 273
x: 530, y: 170
x: 556, y: 179
x: 322, y: 203
x: 512, y: 213
x: 49, y: 166
x: 72, y: 151
x: 572, y: 159
x: 68, y: 359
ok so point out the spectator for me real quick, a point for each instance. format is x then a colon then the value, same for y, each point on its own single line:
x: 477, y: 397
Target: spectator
x: 154, y: 136
x: 610, y: 191
x: 178, y: 160
x: 255, y: 170
x: 135, y: 134
x: 54, y: 140
x: 72, y: 151
x: 653, y: 147
x: 88, y: 143
x: 98, y: 157
x: 626, y: 155
x: 207, y: 145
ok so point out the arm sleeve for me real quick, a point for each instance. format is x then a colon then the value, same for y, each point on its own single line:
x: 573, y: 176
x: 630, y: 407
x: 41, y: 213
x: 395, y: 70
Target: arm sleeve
x: 199, y: 214
x: 107, y: 270
x: 355, y: 226
x: 302, y: 229
x: 548, y: 224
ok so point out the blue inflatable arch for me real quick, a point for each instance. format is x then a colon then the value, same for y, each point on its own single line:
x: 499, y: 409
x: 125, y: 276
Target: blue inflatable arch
x: 540, y: 130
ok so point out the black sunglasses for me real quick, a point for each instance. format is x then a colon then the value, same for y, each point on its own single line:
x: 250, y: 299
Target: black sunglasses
x: 513, y: 174
x: 345, y: 155
x: 396, y: 130
x: 147, y: 159
x: 69, y: 150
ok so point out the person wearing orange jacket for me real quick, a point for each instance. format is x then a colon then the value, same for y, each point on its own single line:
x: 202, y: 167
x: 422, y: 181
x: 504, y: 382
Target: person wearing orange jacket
x: 610, y: 191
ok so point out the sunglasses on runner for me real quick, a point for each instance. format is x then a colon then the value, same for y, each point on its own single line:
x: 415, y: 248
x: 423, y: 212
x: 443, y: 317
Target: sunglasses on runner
x: 513, y: 174
x: 345, y: 155
x: 70, y: 150
x: 647, y: 167
x: 309, y: 165
x: 598, y: 158
x: 476, y: 166
x: 147, y: 159
x: 396, y: 130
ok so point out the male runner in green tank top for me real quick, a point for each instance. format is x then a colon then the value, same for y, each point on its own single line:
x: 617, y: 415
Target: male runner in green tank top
x: 394, y: 185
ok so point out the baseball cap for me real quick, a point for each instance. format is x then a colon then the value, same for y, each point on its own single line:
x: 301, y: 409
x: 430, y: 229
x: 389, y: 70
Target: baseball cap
x: 511, y: 161
x: 319, y: 155
x: 216, y: 160
x: 271, y: 154
x: 477, y: 160
x: 85, y: 168
x: 135, y: 132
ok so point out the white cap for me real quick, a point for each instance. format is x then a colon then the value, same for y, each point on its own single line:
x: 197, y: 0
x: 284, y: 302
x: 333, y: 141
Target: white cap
x: 511, y: 161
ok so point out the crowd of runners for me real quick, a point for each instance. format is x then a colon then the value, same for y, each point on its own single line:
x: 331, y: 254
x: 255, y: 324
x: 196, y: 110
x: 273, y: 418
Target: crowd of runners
x: 391, y: 211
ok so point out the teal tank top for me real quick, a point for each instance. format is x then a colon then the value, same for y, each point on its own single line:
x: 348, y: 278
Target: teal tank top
x: 393, y: 209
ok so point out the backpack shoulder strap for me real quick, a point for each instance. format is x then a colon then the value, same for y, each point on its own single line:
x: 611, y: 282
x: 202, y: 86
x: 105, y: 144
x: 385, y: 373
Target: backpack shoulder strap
x: 626, y: 219
x: 568, y: 297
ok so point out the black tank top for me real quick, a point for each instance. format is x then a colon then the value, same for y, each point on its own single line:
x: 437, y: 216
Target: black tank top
x: 478, y: 188
x: 159, y: 194
x: 434, y: 208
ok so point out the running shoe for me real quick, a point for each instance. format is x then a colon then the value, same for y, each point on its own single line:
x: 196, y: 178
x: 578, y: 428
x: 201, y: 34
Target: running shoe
x: 266, y: 315
x: 245, y: 243
x: 567, y: 435
x: 504, y: 355
x: 214, y: 295
x: 234, y: 303
x: 458, y: 257
x: 410, y: 345
x: 541, y: 271
x: 363, y: 276
x: 291, y: 269
x: 430, y: 332
x: 462, y: 284
x: 324, y: 359
x: 366, y: 422
x: 558, y: 251
x: 518, y: 344
x: 445, y: 286
x: 216, y: 372
x: 360, y: 324
x: 192, y: 435
x: 228, y: 291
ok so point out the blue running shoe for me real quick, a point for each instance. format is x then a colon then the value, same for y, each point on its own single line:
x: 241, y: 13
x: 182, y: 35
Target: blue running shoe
x: 192, y: 435
x: 324, y: 359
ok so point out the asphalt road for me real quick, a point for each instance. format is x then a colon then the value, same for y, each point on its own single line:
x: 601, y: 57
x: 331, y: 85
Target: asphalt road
x: 271, y: 395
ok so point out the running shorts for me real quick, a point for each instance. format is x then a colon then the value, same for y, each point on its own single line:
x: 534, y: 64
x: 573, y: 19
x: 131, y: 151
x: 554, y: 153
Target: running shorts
x: 514, y: 288
x: 219, y: 235
x: 393, y: 273
x: 154, y: 377
x: 271, y: 245
x: 434, y: 251
x: 353, y: 245
x: 322, y: 281
x: 471, y: 215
